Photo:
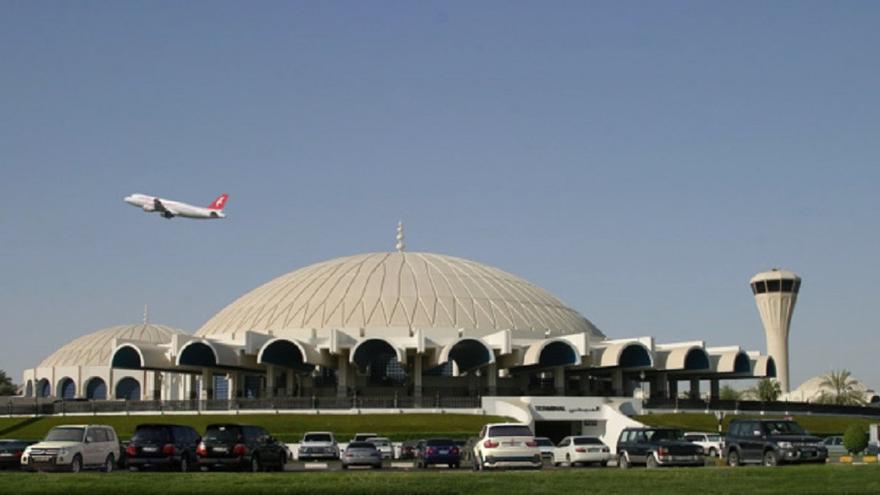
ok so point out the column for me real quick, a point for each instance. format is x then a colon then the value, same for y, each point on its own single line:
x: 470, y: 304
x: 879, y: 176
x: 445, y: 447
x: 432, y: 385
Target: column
x: 673, y: 388
x: 660, y: 386
x: 288, y: 389
x: 714, y: 389
x: 205, y: 389
x: 157, y: 385
x: 342, y: 375
x: 232, y: 383
x: 270, y: 381
x: 559, y: 381
x: 492, y: 379
x: 193, y: 384
x: 417, y: 375
x: 617, y: 382
x: 695, y: 389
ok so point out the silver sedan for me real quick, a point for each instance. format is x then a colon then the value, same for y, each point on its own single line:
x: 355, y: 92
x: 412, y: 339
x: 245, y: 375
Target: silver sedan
x: 361, y: 454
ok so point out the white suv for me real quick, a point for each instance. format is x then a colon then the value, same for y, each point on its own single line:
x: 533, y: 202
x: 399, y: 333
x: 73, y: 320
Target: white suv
x: 318, y: 445
x: 506, y: 445
x: 74, y: 448
x: 711, y: 442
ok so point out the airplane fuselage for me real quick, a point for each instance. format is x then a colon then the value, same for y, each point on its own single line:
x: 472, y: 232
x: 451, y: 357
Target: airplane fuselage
x: 170, y: 209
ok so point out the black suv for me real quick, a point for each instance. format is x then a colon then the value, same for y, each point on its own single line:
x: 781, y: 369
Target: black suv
x: 655, y: 447
x: 240, y: 447
x: 162, y: 446
x: 771, y: 442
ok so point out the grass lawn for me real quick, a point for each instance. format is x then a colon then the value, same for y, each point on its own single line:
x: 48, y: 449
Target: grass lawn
x: 287, y: 427
x: 817, y: 425
x: 752, y: 480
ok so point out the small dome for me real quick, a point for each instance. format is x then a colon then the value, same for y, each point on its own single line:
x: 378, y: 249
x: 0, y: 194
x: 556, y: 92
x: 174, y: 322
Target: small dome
x: 399, y: 289
x: 812, y: 390
x: 95, y: 348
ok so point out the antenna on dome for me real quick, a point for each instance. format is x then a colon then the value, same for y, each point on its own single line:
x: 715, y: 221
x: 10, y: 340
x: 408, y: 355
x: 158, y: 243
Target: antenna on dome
x: 146, y: 314
x: 401, y: 245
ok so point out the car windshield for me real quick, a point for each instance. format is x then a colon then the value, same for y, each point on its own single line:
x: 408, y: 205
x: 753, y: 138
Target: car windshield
x: 510, y: 431
x: 65, y: 435
x: 222, y: 434
x: 783, y: 428
x: 151, y: 435
x: 361, y: 445
x: 544, y: 442
x: 655, y: 435
x: 440, y: 442
x: 587, y: 441
x: 318, y: 437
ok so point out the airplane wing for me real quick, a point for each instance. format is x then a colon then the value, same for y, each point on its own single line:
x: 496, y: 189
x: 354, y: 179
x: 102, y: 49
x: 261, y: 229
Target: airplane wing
x: 166, y: 212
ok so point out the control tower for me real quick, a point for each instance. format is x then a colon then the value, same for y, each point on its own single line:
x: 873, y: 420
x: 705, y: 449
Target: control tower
x: 775, y: 293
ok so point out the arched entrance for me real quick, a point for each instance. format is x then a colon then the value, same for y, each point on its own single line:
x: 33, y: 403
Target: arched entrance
x: 66, y: 389
x: 44, y: 388
x: 128, y: 388
x: 96, y: 389
x: 379, y: 360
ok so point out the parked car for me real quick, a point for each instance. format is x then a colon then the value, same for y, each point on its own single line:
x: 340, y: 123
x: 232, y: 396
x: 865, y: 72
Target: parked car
x: 318, y: 445
x: 74, y: 448
x: 383, y: 445
x: 771, y: 442
x: 11, y: 451
x: 361, y: 454
x: 834, y: 446
x: 409, y: 449
x: 656, y: 447
x: 438, y: 451
x: 162, y: 446
x: 362, y: 437
x: 503, y: 445
x: 711, y: 442
x: 545, y: 445
x: 576, y: 450
x: 242, y: 447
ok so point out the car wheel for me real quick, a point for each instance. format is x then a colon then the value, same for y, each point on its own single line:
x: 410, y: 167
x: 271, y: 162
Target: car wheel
x: 184, y: 465
x: 76, y: 464
x: 622, y: 461
x: 377, y: 466
x: 255, y: 464
x: 770, y: 459
x: 733, y: 459
x: 109, y: 464
x: 345, y: 466
x: 712, y: 453
x: 456, y: 465
x: 651, y: 462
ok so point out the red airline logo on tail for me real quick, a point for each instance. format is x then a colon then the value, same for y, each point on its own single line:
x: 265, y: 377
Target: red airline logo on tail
x: 219, y: 203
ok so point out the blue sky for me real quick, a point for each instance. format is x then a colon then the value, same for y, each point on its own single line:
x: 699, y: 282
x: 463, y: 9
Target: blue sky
x: 640, y: 160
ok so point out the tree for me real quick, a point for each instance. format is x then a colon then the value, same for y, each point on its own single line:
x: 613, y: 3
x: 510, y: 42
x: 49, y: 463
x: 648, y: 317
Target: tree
x: 767, y: 390
x: 840, y: 388
x: 729, y: 393
x: 855, y: 439
x: 6, y: 385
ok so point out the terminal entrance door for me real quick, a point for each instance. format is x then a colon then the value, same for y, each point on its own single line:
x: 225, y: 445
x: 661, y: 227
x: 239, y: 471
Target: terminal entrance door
x: 557, y: 430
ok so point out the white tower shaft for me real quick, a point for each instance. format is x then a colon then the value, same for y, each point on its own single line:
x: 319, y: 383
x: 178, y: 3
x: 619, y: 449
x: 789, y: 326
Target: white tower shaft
x: 776, y: 293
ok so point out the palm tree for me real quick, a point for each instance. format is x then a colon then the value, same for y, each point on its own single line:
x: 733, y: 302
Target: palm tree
x: 729, y: 393
x: 6, y: 385
x: 840, y: 388
x: 767, y: 390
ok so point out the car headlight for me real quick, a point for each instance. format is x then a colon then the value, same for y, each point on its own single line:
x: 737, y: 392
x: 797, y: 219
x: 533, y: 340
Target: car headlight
x: 63, y: 451
x: 784, y: 445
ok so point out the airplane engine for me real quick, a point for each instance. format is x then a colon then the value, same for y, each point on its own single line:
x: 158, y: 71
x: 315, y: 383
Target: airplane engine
x: 149, y: 208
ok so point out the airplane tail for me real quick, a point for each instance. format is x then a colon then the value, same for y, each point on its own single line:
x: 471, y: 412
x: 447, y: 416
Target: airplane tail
x: 219, y: 203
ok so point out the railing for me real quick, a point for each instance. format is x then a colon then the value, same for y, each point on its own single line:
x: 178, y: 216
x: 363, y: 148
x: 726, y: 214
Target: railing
x: 748, y: 406
x: 46, y: 408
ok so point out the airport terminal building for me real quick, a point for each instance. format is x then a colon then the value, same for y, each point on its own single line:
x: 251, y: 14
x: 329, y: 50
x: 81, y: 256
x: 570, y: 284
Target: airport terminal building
x: 405, y: 324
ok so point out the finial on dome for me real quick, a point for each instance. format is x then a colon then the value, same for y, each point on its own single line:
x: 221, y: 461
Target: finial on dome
x: 401, y: 245
x: 146, y: 314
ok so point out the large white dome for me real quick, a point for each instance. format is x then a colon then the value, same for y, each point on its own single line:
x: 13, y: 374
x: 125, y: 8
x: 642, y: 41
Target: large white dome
x: 95, y: 348
x: 398, y: 289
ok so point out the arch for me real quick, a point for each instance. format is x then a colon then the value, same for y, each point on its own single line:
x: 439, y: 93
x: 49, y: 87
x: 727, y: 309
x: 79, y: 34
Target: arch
x: 771, y: 367
x: 697, y: 359
x: 29, y: 389
x: 552, y: 352
x: 373, y: 348
x: 127, y: 356
x: 44, y: 388
x: 634, y: 355
x: 742, y: 364
x: 128, y: 388
x: 96, y: 388
x: 285, y: 352
x: 468, y: 353
x: 735, y: 360
x: 66, y: 388
x: 197, y: 353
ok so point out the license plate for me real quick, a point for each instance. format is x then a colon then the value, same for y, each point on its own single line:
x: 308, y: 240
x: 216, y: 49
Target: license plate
x: 592, y: 450
x: 220, y: 449
x: 42, y: 458
x: 151, y: 449
x: 444, y: 452
x: 6, y: 454
x: 511, y: 444
x: 682, y: 458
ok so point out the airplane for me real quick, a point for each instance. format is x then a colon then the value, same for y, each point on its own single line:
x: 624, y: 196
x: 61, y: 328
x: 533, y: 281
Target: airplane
x: 170, y: 209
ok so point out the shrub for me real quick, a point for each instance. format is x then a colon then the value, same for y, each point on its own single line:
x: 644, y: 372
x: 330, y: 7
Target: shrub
x: 856, y: 438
